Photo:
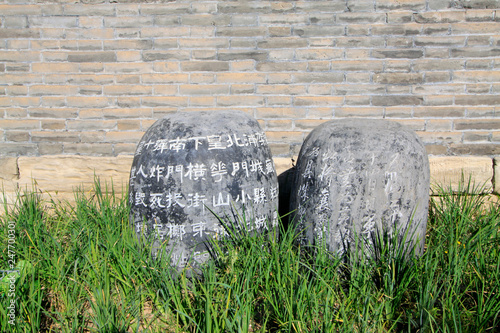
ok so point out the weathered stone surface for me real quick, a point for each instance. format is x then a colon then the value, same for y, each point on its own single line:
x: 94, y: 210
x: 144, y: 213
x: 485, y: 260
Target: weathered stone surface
x: 449, y: 172
x: 191, y: 166
x: 361, y: 178
x: 8, y: 168
x: 60, y: 175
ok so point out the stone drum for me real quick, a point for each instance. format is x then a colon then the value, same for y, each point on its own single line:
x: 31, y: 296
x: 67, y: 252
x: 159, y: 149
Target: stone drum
x: 193, y: 168
x: 358, y: 179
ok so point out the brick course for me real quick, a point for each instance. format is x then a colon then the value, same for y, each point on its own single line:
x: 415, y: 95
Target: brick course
x: 89, y: 77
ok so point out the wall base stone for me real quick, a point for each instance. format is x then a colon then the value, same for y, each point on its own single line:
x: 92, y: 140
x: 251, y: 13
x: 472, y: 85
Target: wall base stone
x: 449, y: 172
x: 58, y: 176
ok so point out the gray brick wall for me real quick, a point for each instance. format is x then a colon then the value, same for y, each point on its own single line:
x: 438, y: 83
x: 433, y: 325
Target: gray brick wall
x: 89, y: 77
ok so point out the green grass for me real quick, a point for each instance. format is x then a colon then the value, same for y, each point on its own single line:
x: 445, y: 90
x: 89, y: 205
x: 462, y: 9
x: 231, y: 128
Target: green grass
x: 85, y: 271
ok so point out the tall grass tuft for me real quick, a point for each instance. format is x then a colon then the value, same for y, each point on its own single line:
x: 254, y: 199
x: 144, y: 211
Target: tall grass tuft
x: 81, y: 268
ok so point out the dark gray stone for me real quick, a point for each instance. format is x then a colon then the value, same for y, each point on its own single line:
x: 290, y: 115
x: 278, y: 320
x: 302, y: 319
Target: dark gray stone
x: 189, y: 166
x: 361, y: 178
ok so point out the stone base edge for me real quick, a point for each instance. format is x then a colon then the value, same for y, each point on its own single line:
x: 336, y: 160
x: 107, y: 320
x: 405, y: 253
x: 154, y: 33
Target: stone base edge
x: 58, y: 176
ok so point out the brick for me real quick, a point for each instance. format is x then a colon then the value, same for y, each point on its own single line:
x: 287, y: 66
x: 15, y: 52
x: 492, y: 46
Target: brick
x: 92, y: 136
x: 128, y: 44
x: 318, y: 54
x: 360, y: 17
x: 165, y: 55
x: 477, y: 100
x: 244, y: 7
x: 364, y: 42
x: 161, y: 32
x: 53, y: 124
x: 439, y: 137
x: 17, y: 136
x: 84, y: 125
x: 281, y: 124
x: 14, y: 56
x: 202, y: 101
x: 197, y: 43
x: 435, y: 77
x: 282, y: 55
x: 480, y: 149
x: 241, y: 32
x: 488, y: 111
x: 65, y: 113
x: 202, y: 78
x: 16, y: 22
x: 357, y: 65
x: 50, y: 148
x: 48, y: 90
x: 359, y: 112
x: 407, y: 29
x: 354, y: 89
x: 434, y: 89
x: 205, y: 66
x: 319, y: 31
x: 443, y: 125
x: 285, y: 136
x: 248, y: 43
x: 280, y: 113
x: 318, y: 77
x: 283, y: 43
x: 471, y: 28
x: 427, y: 41
x: 88, y: 102
x: 128, y: 21
x: 279, y: 89
x: 128, y: 101
x: 18, y: 149
x: 240, y: 100
x: 281, y: 67
x: 14, y: 113
x: 128, y: 68
x: 128, y: 90
x: 24, y: 124
x: 54, y: 68
x: 475, y: 52
x: 203, y: 89
x: 89, y: 10
x: 53, y: 21
x: 165, y: 8
x: 230, y: 55
x: 124, y: 148
x: 241, y: 78
x: 165, y: 78
x: 120, y: 137
x: 51, y: 136
x: 435, y: 100
x: 205, y: 20
x: 285, y: 31
x: 278, y: 18
x: 398, y: 78
x: 476, y: 76
x: 243, y: 65
x: 402, y: 53
x: 158, y: 101
x: 16, y: 10
x: 439, y: 112
x: 278, y: 100
x: 398, y: 112
x: 478, y: 88
x: 88, y: 149
x: 477, y: 124
x: 477, y: 137
x: 318, y: 100
x: 417, y: 5
x: 396, y: 100
x: 440, y: 17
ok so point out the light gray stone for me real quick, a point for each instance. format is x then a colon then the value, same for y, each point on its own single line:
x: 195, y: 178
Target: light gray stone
x: 361, y: 178
x: 192, y: 168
